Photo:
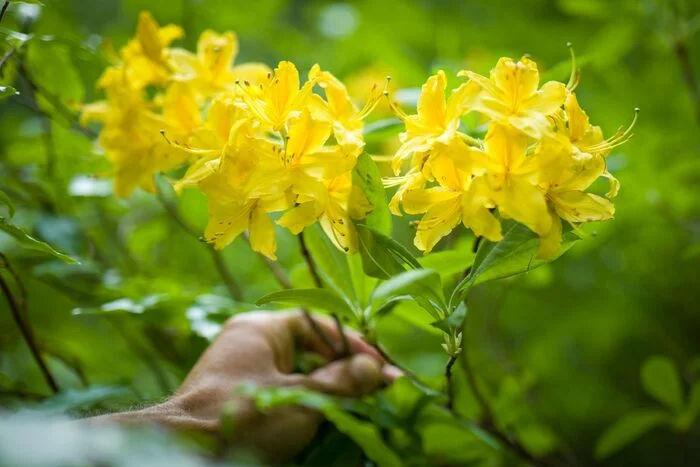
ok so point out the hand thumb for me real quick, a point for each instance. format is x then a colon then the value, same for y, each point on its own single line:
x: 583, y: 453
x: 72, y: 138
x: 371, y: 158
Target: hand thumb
x: 357, y: 375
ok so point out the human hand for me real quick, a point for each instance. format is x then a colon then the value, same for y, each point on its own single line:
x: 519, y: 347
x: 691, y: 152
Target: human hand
x: 259, y: 348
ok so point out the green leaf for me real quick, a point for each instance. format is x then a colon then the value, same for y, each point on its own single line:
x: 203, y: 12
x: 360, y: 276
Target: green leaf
x: 514, y: 254
x: 331, y: 264
x: 366, y: 176
x: 377, y: 261
x: 27, y: 241
x: 71, y: 399
x: 382, y: 256
x: 448, y: 262
x: 627, y: 429
x: 313, y: 298
x: 335, y: 450
x: 362, y: 282
x: 686, y: 417
x: 423, y: 285
x: 662, y: 381
x: 4, y: 199
x: 7, y: 91
x: 449, y: 444
x: 365, y: 434
x: 51, y: 67
x: 454, y: 321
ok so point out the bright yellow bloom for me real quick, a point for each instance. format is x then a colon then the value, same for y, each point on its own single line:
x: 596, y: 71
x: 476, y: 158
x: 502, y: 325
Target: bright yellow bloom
x: 539, y: 156
x: 512, y: 177
x: 461, y: 199
x: 567, y: 199
x: 279, y: 98
x: 145, y: 58
x: 511, y: 96
x: 131, y: 131
x: 211, y: 70
x: 436, y: 121
x: 341, y: 110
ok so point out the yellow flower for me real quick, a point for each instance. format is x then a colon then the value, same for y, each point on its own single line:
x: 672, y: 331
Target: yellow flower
x: 228, y: 220
x: 460, y: 199
x: 131, y: 130
x: 567, y: 199
x: 238, y: 190
x: 511, y: 96
x: 330, y: 202
x: 280, y: 98
x: 512, y: 177
x: 436, y: 121
x: 211, y: 69
x: 145, y: 58
x: 573, y: 128
x: 346, y: 118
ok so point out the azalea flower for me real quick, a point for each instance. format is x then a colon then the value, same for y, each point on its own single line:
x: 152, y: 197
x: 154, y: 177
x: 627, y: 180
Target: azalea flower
x: 510, y: 96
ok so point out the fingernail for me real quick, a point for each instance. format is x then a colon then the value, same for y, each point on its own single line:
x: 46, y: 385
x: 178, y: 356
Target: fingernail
x: 391, y: 373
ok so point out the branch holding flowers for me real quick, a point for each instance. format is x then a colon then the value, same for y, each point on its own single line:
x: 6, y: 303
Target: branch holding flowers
x: 267, y: 148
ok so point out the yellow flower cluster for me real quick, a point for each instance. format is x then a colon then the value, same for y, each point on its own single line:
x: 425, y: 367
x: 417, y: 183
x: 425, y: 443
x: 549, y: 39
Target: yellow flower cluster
x: 539, y: 156
x: 258, y: 141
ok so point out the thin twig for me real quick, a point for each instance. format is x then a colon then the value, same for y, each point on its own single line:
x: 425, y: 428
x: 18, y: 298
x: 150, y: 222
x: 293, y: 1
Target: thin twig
x: 487, y: 423
x: 309, y: 261
x: 320, y: 331
x: 5, y: 4
x: 450, y: 383
x: 223, y: 270
x: 277, y: 271
x: 689, y: 77
x: 287, y: 284
x: 5, y: 58
x: 345, y: 351
x: 487, y: 414
x: 25, y: 329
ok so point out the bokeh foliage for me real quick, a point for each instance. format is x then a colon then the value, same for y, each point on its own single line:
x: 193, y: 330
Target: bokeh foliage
x: 558, y: 351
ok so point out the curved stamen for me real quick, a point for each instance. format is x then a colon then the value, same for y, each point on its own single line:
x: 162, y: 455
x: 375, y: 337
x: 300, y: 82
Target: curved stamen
x: 575, y: 73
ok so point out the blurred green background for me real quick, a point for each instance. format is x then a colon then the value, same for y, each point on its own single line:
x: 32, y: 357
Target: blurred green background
x: 568, y: 338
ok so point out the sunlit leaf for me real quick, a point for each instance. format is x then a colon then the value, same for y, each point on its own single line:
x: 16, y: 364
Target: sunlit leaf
x: 366, y: 176
x: 514, y: 254
x: 365, y: 434
x: 313, y: 298
x: 423, y: 285
x: 27, y: 241
x: 382, y: 257
x: 331, y: 264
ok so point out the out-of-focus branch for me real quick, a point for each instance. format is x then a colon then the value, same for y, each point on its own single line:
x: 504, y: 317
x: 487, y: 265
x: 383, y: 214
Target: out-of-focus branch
x: 345, y: 351
x: 18, y: 310
x: 5, y: 4
x: 219, y: 262
x: 691, y: 81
